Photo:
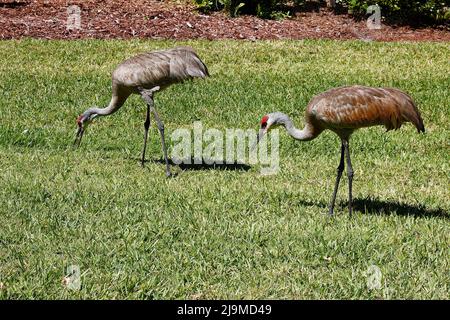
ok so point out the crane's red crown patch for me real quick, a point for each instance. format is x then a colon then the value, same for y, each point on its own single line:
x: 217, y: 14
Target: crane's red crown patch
x: 264, y: 119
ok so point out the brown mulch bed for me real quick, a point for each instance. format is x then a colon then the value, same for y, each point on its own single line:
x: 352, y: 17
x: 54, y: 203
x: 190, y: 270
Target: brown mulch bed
x: 171, y: 20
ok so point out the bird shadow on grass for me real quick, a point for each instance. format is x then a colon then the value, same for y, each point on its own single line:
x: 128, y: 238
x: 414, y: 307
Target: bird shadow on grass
x: 381, y: 207
x: 190, y: 164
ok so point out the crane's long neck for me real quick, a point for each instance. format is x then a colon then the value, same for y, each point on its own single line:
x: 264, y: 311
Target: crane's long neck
x: 305, y: 134
x: 114, y: 105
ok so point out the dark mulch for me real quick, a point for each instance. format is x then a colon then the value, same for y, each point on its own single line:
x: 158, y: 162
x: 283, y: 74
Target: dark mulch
x: 171, y: 20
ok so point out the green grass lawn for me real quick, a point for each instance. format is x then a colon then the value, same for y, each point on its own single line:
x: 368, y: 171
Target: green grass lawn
x: 220, y: 233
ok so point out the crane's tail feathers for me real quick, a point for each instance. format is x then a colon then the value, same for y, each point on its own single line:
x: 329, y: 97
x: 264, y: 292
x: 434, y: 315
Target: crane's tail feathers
x: 409, y: 111
x: 420, y: 127
x: 198, y: 69
x: 413, y: 115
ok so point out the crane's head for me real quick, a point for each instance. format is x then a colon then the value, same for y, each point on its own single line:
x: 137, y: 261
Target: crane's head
x: 270, y: 121
x: 82, y: 122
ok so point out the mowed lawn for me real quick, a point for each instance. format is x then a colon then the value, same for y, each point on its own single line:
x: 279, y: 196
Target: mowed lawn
x: 226, y: 232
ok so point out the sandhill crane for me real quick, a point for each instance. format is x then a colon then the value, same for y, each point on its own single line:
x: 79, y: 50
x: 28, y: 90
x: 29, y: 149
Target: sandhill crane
x: 145, y: 74
x: 343, y: 110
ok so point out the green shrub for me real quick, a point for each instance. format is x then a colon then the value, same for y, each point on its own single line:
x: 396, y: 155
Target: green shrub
x: 413, y: 12
x: 207, y: 5
x: 261, y: 8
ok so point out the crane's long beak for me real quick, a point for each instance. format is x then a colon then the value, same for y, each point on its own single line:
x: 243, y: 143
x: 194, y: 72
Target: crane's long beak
x: 78, y: 137
x: 260, y: 135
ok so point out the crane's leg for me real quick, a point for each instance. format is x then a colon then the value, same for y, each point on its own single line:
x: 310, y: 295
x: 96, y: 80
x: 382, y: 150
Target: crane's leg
x: 350, y: 176
x: 146, y: 126
x: 163, y: 142
x: 340, y: 169
x: 147, y: 95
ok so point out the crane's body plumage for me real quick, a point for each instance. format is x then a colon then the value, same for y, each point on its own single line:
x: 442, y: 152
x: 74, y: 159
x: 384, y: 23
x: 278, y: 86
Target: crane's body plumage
x: 145, y: 74
x: 159, y: 68
x: 344, y: 110
x: 353, y: 107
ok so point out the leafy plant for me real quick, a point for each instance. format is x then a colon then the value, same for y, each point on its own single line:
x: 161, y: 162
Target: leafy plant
x: 207, y: 5
x: 280, y: 15
x: 404, y: 10
x: 232, y: 6
x: 270, y: 9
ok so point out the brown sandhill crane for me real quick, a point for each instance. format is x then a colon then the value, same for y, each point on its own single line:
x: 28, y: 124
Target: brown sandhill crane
x: 145, y: 74
x: 343, y: 110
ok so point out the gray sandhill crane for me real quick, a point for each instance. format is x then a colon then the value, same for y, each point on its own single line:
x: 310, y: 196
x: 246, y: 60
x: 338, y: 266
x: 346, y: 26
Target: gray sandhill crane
x: 145, y: 74
x: 343, y: 110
